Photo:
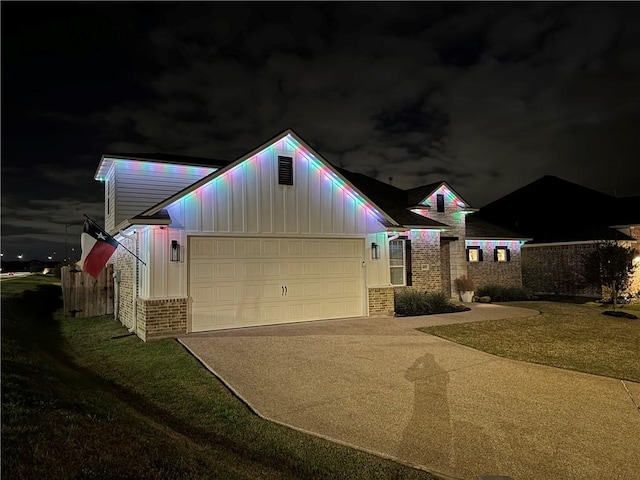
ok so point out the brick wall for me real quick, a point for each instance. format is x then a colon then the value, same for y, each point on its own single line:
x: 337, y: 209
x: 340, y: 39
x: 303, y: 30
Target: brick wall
x: 490, y: 272
x: 455, y: 218
x: 381, y: 301
x: 161, y: 318
x: 425, y: 261
x: 125, y: 264
x: 556, y: 269
x: 445, y: 269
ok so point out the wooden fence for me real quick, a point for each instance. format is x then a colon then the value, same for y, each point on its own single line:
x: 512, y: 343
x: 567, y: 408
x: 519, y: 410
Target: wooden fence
x: 85, y: 296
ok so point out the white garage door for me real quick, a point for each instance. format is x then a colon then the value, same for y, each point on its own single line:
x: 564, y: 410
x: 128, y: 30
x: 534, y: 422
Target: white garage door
x: 237, y: 282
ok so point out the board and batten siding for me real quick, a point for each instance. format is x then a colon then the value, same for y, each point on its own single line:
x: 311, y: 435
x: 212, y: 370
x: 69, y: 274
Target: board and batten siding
x: 133, y: 186
x: 247, y: 200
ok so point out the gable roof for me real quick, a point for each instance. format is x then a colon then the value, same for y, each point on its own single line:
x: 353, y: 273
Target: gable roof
x: 386, y: 219
x: 551, y: 209
x: 391, y: 199
x: 418, y: 194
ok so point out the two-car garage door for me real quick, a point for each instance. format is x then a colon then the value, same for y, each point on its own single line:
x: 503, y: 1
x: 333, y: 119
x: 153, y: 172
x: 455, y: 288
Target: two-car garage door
x: 237, y: 282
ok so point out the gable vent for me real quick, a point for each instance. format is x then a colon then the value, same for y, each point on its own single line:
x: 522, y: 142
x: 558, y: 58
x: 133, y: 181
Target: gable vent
x: 285, y: 170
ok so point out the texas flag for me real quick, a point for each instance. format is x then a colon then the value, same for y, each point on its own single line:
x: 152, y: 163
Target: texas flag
x: 97, y: 248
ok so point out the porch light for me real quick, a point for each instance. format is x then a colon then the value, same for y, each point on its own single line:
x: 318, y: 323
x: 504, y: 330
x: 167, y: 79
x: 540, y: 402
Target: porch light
x: 175, y: 251
x: 375, y: 251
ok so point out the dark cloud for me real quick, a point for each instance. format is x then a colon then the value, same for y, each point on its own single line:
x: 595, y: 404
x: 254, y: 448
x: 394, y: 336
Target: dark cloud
x: 487, y: 96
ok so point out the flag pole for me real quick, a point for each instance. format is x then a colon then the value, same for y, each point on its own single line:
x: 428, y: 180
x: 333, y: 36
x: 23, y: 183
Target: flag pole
x: 103, y: 231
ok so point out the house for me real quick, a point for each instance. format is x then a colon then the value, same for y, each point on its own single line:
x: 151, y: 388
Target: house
x: 279, y: 235
x: 564, y: 220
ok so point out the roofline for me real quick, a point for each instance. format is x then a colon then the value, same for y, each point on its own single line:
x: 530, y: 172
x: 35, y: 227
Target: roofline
x: 579, y: 242
x: 108, y: 156
x: 134, y: 221
x: 520, y: 239
x: 625, y: 226
x: 221, y: 171
x: 425, y: 227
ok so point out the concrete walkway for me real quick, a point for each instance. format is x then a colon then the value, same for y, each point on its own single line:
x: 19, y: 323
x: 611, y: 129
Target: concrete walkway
x: 381, y: 386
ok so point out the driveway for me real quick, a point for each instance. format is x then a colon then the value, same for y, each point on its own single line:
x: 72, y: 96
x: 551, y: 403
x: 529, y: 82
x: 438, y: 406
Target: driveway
x: 381, y: 386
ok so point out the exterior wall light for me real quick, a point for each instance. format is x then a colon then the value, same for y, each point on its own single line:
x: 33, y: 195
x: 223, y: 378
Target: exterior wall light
x: 175, y: 251
x: 375, y: 251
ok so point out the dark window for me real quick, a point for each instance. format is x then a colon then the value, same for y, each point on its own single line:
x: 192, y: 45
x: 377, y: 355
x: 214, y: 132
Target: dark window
x: 440, y: 202
x: 285, y: 170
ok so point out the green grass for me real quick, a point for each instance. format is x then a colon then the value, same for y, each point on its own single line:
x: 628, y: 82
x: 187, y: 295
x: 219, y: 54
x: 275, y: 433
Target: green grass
x: 575, y: 337
x: 10, y: 286
x: 77, y: 404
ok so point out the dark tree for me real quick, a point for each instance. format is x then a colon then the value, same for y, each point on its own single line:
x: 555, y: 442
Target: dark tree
x: 611, y: 265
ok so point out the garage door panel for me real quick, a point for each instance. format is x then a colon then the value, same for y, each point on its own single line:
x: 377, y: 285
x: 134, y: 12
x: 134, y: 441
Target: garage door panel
x: 236, y: 282
x: 202, y: 294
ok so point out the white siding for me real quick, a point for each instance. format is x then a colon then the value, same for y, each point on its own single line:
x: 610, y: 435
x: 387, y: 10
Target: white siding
x: 140, y: 185
x: 248, y: 201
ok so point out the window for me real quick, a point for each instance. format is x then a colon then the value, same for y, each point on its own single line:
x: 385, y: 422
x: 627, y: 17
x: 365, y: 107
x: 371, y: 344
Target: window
x: 440, y: 202
x: 474, y: 254
x: 396, y: 261
x: 501, y: 254
x: 285, y: 170
x: 400, y: 262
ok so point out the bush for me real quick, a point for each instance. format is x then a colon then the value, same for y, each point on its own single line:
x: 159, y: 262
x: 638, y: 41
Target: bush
x: 412, y: 302
x: 464, y: 284
x: 499, y: 293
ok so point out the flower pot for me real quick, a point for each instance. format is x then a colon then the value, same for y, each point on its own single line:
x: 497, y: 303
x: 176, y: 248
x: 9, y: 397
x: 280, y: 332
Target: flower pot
x: 466, y: 297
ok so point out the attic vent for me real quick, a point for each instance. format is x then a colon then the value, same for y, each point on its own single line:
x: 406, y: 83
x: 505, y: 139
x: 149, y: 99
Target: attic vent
x: 440, y: 202
x: 285, y: 170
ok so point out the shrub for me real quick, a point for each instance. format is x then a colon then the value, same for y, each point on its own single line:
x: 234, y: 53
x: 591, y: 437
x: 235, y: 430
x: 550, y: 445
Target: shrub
x: 464, y: 284
x: 500, y: 293
x: 412, y: 302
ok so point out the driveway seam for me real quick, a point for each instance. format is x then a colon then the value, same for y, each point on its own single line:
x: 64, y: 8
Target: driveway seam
x: 630, y: 396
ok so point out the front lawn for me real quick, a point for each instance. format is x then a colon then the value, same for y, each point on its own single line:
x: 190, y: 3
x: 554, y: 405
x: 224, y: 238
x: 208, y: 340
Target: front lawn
x: 77, y: 404
x: 575, y: 337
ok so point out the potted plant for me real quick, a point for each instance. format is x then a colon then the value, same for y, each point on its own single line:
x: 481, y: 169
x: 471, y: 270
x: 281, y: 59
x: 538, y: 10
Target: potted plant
x: 465, y: 286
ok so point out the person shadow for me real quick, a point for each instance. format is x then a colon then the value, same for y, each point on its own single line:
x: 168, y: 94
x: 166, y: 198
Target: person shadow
x: 432, y: 437
x: 427, y: 439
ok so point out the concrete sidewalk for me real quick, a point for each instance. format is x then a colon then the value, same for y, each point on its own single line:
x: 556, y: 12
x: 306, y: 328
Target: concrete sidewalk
x: 381, y: 386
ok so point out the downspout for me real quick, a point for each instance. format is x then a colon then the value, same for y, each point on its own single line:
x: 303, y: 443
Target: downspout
x: 134, y: 325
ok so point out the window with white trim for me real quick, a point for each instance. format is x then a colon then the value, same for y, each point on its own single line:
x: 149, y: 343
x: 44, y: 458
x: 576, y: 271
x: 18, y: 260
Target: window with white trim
x: 397, y: 262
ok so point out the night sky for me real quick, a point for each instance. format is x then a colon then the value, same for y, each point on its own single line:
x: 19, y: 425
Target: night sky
x: 487, y: 96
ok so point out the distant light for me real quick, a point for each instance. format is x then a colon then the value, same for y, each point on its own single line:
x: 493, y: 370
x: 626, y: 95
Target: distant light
x: 20, y: 256
x: 49, y: 257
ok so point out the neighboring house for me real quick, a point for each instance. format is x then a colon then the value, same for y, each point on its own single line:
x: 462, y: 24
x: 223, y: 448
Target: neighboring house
x: 279, y: 235
x: 565, y: 221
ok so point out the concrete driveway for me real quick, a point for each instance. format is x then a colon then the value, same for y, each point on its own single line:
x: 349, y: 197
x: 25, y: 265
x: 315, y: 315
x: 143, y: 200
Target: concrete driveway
x: 379, y: 385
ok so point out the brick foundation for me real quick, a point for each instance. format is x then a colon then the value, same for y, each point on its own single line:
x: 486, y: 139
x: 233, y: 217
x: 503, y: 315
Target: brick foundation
x: 381, y: 301
x: 161, y: 318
